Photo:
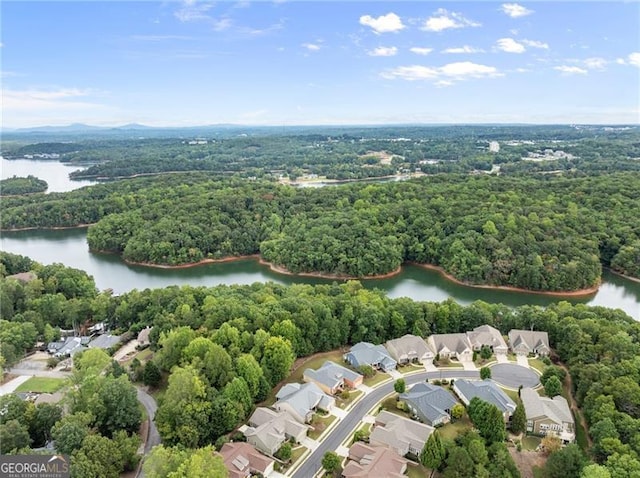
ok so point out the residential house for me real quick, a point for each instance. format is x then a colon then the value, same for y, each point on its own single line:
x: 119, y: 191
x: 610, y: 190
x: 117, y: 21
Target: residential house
x: 485, y: 335
x: 525, y: 342
x: 365, y: 353
x: 68, y: 347
x: 368, y: 461
x: 105, y: 341
x: 300, y: 401
x: 332, y: 378
x: 268, y: 430
x: 243, y: 460
x: 400, y: 434
x: 429, y: 403
x: 548, y: 415
x: 485, y: 390
x: 143, y: 337
x: 409, y: 348
x: 455, y: 346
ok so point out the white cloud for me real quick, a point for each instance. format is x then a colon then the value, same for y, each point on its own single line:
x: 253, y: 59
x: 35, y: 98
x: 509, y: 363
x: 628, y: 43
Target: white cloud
x: 191, y: 11
x: 463, y: 49
x: 595, y: 63
x: 515, y: 11
x: 509, y: 45
x: 384, y: 51
x: 420, y: 50
x: 445, y: 75
x: 159, y: 38
x: 536, y: 44
x: 634, y: 58
x: 311, y: 46
x: 383, y: 24
x: 443, y: 20
x: 570, y: 70
x: 522, y: 70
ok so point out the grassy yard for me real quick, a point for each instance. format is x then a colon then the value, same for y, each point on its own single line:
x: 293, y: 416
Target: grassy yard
x: 144, y: 356
x: 513, y: 395
x: 537, y: 364
x: 42, y: 385
x: 410, y: 368
x: 390, y: 404
x: 448, y: 363
x: 480, y: 362
x: 319, y: 424
x: 376, y: 379
x: 538, y: 472
x: 451, y: 430
x: 353, y: 396
x: 417, y: 471
x: 296, y: 453
x: 314, y: 362
x: 530, y: 442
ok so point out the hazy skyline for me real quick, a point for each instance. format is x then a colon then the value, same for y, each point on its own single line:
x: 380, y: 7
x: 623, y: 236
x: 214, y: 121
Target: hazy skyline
x: 285, y: 63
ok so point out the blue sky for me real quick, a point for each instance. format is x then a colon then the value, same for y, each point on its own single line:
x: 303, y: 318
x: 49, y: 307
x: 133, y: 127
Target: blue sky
x: 332, y: 62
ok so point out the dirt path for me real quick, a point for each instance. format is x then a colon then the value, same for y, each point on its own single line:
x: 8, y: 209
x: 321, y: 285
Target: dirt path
x: 568, y: 386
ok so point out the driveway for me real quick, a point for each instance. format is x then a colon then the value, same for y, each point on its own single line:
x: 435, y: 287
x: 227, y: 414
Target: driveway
x: 512, y: 376
x: 502, y: 358
x: 522, y: 360
x: 153, y: 437
x: 11, y: 385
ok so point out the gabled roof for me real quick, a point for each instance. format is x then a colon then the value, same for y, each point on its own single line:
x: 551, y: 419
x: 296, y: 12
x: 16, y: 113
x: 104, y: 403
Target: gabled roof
x: 303, y: 398
x: 398, y: 432
x: 431, y: 400
x: 529, y: 339
x: 556, y: 408
x: 143, y: 336
x: 367, y: 353
x: 370, y: 461
x: 451, y: 342
x: 486, y: 335
x: 485, y: 390
x: 105, y: 341
x: 242, y: 458
x: 407, y: 345
x: 331, y: 374
x: 269, y: 426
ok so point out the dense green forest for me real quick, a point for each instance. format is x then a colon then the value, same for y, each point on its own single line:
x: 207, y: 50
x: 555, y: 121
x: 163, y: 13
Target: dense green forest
x: 17, y: 185
x: 539, y: 233
x: 225, y: 347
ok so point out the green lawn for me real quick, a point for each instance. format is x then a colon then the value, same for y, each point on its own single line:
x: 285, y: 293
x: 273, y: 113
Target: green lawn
x: 314, y: 362
x: 449, y: 364
x: 513, y: 394
x: 538, y: 472
x: 417, y: 471
x: 42, y: 385
x: 376, y: 379
x: 480, y: 362
x: 451, y: 430
x: 353, y: 396
x: 411, y: 368
x: 143, y: 356
x: 319, y: 424
x: 296, y: 453
x: 537, y: 364
x: 530, y: 442
x: 391, y: 405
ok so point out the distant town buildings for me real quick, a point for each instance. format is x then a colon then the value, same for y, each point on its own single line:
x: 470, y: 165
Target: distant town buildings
x: 494, y: 147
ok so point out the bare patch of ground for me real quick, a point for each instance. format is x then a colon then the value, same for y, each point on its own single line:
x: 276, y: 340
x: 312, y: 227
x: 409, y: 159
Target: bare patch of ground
x: 526, y: 459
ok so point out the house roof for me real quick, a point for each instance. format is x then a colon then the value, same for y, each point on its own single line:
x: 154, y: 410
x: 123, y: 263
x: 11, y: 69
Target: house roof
x: 331, y: 374
x: 529, y: 339
x: 398, y: 432
x: 70, y: 346
x: 367, y: 353
x: 407, y: 345
x: 452, y: 342
x: 535, y: 406
x: 143, y: 336
x: 242, y: 458
x: 486, y: 335
x: 485, y: 390
x: 367, y: 460
x: 431, y: 400
x: 269, y: 426
x: 105, y: 341
x: 303, y: 398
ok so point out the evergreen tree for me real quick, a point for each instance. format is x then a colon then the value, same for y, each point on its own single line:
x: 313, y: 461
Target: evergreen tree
x: 519, y: 419
x: 433, y: 453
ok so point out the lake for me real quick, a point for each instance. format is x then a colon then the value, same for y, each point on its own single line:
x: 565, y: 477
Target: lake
x: 69, y: 247
x: 55, y: 173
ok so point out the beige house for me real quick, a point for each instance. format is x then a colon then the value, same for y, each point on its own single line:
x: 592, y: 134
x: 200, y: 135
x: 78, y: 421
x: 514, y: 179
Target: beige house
x: 268, y: 430
x: 547, y: 416
x: 374, y: 461
x: 455, y: 346
x: 300, y: 401
x: 243, y: 460
x: 525, y: 342
x: 400, y: 434
x: 332, y: 378
x: 410, y: 348
x: 489, y: 336
x: 143, y: 337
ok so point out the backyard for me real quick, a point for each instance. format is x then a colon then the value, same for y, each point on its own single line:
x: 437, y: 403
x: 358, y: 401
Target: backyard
x: 42, y: 385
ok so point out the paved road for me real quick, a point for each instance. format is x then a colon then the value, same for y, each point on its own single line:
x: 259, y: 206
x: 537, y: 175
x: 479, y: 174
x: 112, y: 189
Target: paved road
x: 153, y: 438
x: 512, y: 375
x: 313, y: 463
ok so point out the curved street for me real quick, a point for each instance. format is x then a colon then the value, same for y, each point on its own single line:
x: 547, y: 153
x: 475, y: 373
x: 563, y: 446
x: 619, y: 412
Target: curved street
x: 153, y: 437
x: 346, y: 426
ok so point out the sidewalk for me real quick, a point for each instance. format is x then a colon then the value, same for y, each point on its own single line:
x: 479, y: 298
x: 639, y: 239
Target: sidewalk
x: 11, y: 385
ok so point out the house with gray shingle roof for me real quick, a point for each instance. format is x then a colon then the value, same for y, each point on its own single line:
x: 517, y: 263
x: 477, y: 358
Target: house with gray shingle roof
x: 369, y: 461
x: 525, y: 342
x: 488, y: 336
x: 429, y: 403
x: 332, y: 378
x: 400, y: 434
x: 452, y: 346
x: 410, y: 348
x: 105, y: 341
x: 268, y: 430
x: 365, y: 353
x: 546, y: 416
x: 300, y: 401
x: 485, y: 390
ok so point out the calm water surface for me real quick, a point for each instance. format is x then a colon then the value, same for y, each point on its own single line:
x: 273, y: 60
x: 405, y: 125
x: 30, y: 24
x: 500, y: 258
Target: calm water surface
x: 55, y: 173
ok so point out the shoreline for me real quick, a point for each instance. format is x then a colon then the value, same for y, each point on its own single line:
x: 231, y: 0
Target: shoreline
x: 324, y: 275
x: 575, y: 293
x: 633, y: 279
x: 56, y: 228
x: 188, y: 265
